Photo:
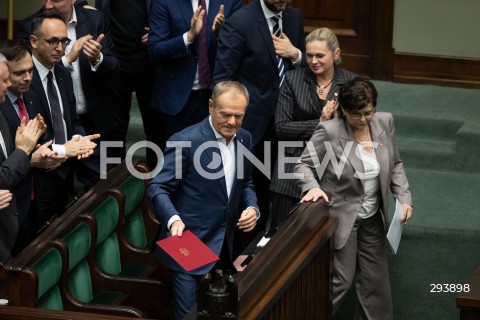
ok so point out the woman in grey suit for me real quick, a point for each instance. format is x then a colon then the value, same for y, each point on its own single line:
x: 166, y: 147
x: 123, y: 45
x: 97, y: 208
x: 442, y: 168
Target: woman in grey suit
x: 354, y: 158
x: 307, y: 96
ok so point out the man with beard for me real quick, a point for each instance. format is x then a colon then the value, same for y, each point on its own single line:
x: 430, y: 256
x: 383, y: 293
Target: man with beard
x: 256, y: 46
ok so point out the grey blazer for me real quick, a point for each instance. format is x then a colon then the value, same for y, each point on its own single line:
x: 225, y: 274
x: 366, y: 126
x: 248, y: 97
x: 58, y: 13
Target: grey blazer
x: 346, y: 189
x: 296, y: 117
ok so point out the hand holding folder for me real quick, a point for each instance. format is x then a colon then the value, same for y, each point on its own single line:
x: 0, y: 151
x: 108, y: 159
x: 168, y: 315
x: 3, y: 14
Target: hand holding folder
x: 188, y: 251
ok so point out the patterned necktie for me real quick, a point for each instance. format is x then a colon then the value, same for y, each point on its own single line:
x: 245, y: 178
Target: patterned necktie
x: 202, y: 50
x: 277, y: 31
x: 22, y: 111
x: 57, y: 117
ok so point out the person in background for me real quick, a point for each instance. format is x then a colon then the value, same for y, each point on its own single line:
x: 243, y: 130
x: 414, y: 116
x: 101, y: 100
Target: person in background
x: 52, y: 84
x: 91, y: 61
x: 128, y: 23
x: 14, y: 166
x: 256, y: 46
x: 22, y: 102
x: 182, y: 43
x: 209, y: 200
x: 357, y: 187
x: 307, y: 96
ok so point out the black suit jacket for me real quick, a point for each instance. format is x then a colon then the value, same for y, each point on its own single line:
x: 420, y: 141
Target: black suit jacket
x: 13, y: 171
x: 246, y: 54
x: 296, y: 117
x: 24, y: 190
x: 89, y: 22
x: 65, y: 86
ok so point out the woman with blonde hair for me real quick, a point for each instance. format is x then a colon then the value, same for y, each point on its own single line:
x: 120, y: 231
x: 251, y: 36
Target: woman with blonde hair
x: 307, y: 96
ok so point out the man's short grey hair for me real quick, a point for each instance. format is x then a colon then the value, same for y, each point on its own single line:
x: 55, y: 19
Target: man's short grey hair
x: 2, y: 58
x: 224, y: 86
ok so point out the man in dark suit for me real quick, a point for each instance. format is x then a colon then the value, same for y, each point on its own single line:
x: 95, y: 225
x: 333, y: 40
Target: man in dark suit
x: 21, y: 102
x: 128, y: 24
x: 213, y: 189
x: 91, y: 61
x: 14, y: 159
x: 53, y: 86
x: 249, y: 52
x: 184, y: 70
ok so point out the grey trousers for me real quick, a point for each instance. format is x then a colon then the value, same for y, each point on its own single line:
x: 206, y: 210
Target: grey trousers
x: 364, y: 259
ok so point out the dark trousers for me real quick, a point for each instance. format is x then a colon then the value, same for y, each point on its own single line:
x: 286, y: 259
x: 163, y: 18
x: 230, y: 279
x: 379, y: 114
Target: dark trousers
x: 88, y: 170
x: 52, y: 193
x: 262, y: 187
x: 135, y: 76
x: 281, y: 207
x: 27, y: 230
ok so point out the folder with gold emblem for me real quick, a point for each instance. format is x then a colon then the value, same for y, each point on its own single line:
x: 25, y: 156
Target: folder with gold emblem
x: 188, y: 251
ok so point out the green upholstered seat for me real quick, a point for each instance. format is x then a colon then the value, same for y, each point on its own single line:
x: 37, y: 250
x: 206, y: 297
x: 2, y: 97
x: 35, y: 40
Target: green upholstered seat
x: 134, y: 225
x: 108, y: 249
x: 48, y: 269
x: 79, y: 241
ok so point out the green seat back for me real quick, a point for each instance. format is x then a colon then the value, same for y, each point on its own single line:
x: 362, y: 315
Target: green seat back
x: 134, y: 189
x: 79, y: 241
x: 48, y: 269
x: 108, y: 250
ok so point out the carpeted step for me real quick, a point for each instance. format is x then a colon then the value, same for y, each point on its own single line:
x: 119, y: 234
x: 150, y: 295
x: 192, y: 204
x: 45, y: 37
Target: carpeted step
x: 427, y: 153
x: 418, y: 126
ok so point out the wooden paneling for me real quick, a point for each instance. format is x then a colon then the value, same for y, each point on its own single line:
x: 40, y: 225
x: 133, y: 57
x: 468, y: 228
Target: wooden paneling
x: 444, y: 71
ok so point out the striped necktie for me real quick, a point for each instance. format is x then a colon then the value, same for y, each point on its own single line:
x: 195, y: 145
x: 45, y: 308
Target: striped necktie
x: 277, y: 31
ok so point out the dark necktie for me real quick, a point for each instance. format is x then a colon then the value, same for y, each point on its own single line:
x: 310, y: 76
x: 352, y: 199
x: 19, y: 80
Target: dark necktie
x: 203, y: 66
x: 22, y: 111
x: 57, y: 117
x: 277, y: 31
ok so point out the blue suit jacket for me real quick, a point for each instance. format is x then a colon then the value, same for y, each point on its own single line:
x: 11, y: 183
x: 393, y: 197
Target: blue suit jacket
x: 246, y: 54
x: 176, y: 64
x: 23, y: 190
x: 13, y: 172
x: 201, y: 203
x: 89, y: 22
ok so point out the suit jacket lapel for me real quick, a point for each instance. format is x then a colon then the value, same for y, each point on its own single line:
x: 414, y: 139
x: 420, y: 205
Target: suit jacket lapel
x: 7, y: 138
x: 37, y: 86
x: 65, y: 102
x: 262, y: 25
x: 209, y: 136
x: 379, y: 138
x: 10, y: 114
x: 347, y: 137
x: 186, y: 9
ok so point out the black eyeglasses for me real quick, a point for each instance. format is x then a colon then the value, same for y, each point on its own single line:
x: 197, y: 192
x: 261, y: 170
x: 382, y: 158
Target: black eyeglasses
x: 53, y: 43
x: 358, y: 115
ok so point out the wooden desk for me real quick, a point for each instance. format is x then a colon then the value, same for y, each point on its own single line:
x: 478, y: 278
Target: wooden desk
x: 469, y: 302
x: 290, y: 277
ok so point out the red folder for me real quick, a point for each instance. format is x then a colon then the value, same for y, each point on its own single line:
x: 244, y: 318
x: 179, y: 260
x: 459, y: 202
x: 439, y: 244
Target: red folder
x: 188, y: 251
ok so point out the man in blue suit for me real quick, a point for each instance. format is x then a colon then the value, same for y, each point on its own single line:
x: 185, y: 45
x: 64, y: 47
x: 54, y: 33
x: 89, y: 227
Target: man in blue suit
x: 22, y: 102
x: 14, y: 166
x: 213, y: 194
x: 180, y: 91
x: 250, y: 52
